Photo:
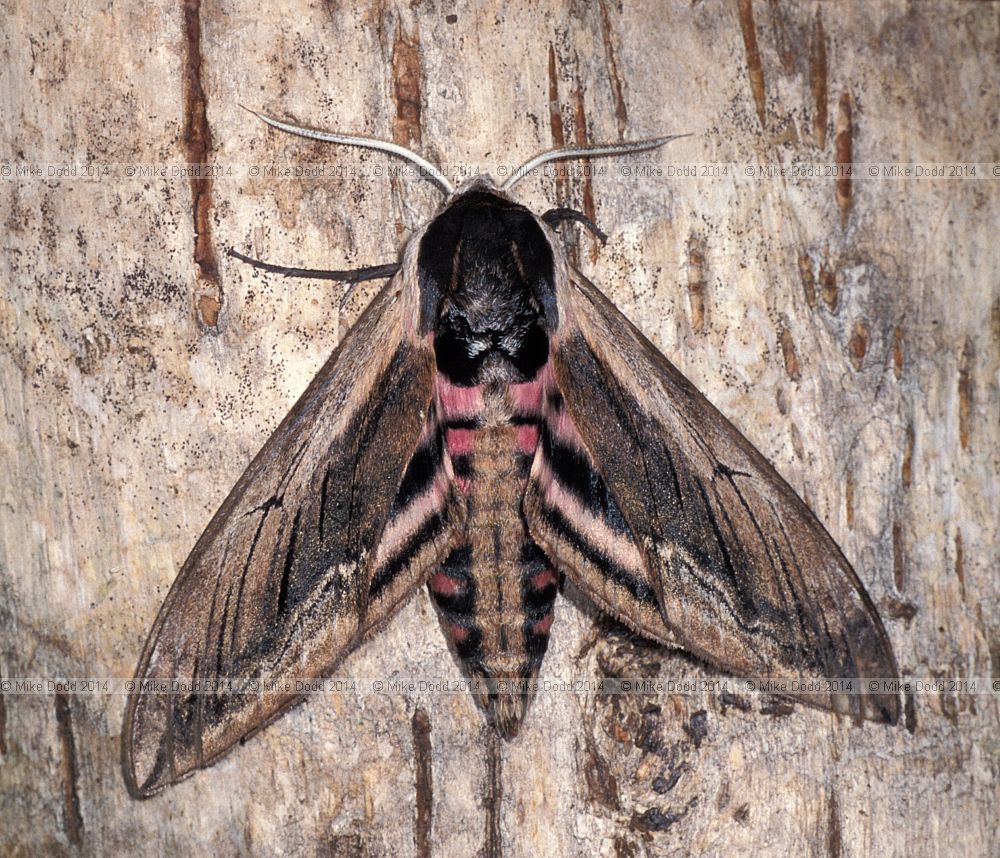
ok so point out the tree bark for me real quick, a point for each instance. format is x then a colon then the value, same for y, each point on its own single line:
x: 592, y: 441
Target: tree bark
x: 848, y: 325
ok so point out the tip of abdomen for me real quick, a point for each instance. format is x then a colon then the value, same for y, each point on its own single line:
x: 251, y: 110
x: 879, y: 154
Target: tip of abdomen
x: 504, y: 699
x: 506, y: 712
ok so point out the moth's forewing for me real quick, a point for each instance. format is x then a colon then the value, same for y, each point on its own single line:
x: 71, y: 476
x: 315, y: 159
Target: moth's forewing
x: 305, y: 556
x: 661, y: 511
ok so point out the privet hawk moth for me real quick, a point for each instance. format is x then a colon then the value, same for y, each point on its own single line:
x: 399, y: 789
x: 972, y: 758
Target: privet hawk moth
x: 490, y: 424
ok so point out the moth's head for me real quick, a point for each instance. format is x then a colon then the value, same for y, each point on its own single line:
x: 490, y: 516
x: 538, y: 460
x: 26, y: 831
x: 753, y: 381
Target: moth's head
x: 494, y: 207
x: 482, y: 183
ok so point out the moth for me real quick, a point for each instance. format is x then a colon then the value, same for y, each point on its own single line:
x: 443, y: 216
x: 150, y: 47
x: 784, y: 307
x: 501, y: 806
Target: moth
x: 491, y: 424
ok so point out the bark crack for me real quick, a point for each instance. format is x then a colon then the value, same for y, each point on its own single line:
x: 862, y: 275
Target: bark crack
x: 198, y: 141
x: 72, y: 819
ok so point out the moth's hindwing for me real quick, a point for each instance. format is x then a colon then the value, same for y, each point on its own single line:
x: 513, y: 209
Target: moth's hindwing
x: 341, y: 515
x: 670, y: 520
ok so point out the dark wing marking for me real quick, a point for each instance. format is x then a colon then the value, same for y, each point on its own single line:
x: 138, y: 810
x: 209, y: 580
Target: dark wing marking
x: 664, y: 514
x: 336, y: 521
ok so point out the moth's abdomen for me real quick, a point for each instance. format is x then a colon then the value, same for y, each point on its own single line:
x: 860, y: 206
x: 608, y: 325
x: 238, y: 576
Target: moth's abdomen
x: 487, y: 294
x: 495, y: 592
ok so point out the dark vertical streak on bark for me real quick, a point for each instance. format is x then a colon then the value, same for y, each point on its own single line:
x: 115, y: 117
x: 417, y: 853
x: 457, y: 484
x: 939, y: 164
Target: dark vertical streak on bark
x: 860, y: 338
x: 558, y: 140
x: 587, y: 190
x: 792, y: 367
x: 960, y: 561
x: 755, y: 69
x: 617, y: 91
x: 818, y: 71
x: 909, y: 713
x: 493, y: 798
x: 582, y: 138
x: 995, y: 323
x: 898, y: 564
x: 844, y: 143
x: 849, y: 499
x: 808, y: 279
x: 601, y: 783
x: 784, y: 44
x: 422, y: 758
x: 906, y: 472
x: 555, y: 123
x: 828, y: 286
x: 198, y: 141
x: 834, y: 838
x: 72, y: 820
x: 965, y: 394
x: 696, y: 281
x: 407, y: 74
x: 406, y: 89
x: 3, y: 724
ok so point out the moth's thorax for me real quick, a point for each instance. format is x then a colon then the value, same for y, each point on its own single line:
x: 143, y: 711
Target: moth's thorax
x: 486, y: 278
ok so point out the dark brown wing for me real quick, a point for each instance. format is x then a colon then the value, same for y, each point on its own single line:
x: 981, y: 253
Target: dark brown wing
x: 664, y: 514
x: 336, y: 521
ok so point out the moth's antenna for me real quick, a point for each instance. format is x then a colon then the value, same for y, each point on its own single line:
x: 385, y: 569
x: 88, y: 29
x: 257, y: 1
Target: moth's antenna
x: 366, y: 142
x: 595, y: 151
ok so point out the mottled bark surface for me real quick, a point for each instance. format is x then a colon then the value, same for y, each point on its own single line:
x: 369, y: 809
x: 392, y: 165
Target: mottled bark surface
x: 850, y: 327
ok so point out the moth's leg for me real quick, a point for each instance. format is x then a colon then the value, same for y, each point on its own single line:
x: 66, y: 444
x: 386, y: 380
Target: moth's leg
x: 556, y: 216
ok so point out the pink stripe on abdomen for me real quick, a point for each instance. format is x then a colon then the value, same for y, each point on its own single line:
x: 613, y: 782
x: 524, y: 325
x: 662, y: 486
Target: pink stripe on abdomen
x: 527, y: 397
x: 459, y: 441
x: 459, y: 403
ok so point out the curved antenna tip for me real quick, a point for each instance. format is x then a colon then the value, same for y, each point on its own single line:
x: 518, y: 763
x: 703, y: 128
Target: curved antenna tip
x: 598, y: 150
x: 432, y: 172
x: 252, y: 110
